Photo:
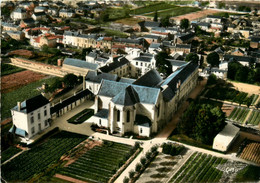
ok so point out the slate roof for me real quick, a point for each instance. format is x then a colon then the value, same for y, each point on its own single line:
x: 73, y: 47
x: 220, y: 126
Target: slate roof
x: 92, y: 55
x: 124, y: 40
x: 112, y: 89
x: 127, y: 80
x: 203, y: 24
x: 32, y: 104
x: 127, y: 97
x: 103, y: 113
x: 149, y: 24
x: 18, y: 131
x: 255, y: 39
x: 150, y: 36
x: 80, y: 63
x: 5, y: 24
x: 117, y: 62
x: 187, y: 46
x: 239, y: 58
x: 29, y: 21
x: 219, y: 50
x: 150, y: 79
x: 70, y: 100
x: 95, y: 77
x: 177, y: 62
x: 214, y: 16
x: 20, y: 10
x: 172, y: 80
x: 155, y: 45
x: 143, y: 59
x: 186, y: 36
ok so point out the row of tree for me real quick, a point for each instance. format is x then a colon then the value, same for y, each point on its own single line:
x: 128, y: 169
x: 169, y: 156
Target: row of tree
x: 238, y: 72
x: 202, y: 122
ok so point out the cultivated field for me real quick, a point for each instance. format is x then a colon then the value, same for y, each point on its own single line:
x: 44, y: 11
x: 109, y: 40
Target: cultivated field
x: 239, y: 114
x: 251, y: 152
x: 195, y: 15
x: 98, y: 164
x: 8, y: 153
x: 40, y: 157
x: 254, y: 118
x: 17, y: 80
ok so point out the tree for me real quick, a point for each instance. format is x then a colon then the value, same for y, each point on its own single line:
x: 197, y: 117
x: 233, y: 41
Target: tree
x: 155, y: 18
x: 163, y: 65
x: 165, y: 21
x: 213, y: 59
x: 192, y: 57
x: 232, y: 69
x: 56, y: 84
x: 212, y: 79
x: 185, y: 23
x: 131, y: 174
x: 70, y: 80
x: 126, y: 180
x: 104, y: 16
x: 138, y: 167
x: 143, y: 161
x: 241, y: 74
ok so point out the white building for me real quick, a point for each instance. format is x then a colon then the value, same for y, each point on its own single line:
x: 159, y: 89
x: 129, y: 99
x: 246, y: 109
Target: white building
x: 225, y: 138
x: 18, y: 14
x: 31, y: 116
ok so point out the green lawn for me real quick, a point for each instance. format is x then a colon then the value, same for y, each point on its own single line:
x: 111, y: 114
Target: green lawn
x: 152, y: 8
x: 7, y: 69
x: 9, y: 100
x: 100, y: 163
x: 82, y: 116
x: 38, y: 158
x: 176, y: 11
x: 8, y: 153
x: 110, y: 32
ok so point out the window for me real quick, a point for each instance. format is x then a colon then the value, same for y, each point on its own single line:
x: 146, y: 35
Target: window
x: 136, y: 63
x: 46, y: 122
x: 141, y: 64
x: 45, y: 112
x: 39, y: 116
x: 32, y: 120
x: 128, y: 116
x: 99, y: 121
x: 118, y: 115
x: 141, y: 130
x: 32, y: 130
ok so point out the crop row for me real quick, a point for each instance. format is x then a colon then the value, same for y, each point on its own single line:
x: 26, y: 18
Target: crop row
x: 99, y: 163
x: 38, y: 158
x: 250, y: 152
x: 254, y: 118
x: 254, y: 99
x: 239, y: 114
x: 8, y: 153
x: 199, y: 168
x: 151, y: 8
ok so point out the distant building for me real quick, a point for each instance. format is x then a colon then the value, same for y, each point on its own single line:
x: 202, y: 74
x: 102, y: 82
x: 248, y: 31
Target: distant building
x: 225, y: 138
x: 17, y: 35
x: 19, y: 14
x: 31, y: 117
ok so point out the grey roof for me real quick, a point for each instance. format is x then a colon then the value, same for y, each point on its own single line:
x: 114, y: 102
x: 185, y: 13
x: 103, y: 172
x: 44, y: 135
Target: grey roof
x: 14, y: 32
x: 40, y: 8
x: 29, y: 21
x: 5, y: 24
x: 127, y: 80
x: 239, y: 58
x: 80, y: 63
x: 150, y: 36
x: 203, y: 24
x: 171, y: 81
x: 124, y: 40
x: 92, y: 55
x: 149, y: 24
x: 112, y: 89
x: 39, y: 13
x: 150, y: 79
x: 155, y: 45
x: 255, y: 39
x: 186, y: 36
x: 219, y: 50
x: 187, y: 46
x: 127, y: 97
x: 143, y: 59
x: 214, y: 16
x: 103, y: 113
x: 32, y: 104
x: 95, y: 77
x: 117, y: 62
x: 100, y: 59
x: 177, y: 62
x: 20, y: 10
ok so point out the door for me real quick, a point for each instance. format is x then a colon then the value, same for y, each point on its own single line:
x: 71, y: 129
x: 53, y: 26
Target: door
x: 39, y: 125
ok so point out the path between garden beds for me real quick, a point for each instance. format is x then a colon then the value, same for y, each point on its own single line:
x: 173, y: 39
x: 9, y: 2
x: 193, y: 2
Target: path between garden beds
x: 70, y: 179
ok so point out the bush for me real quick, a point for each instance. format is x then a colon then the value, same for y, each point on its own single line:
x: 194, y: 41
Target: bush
x: 131, y: 174
x: 137, y: 145
x: 148, y: 155
x: 138, y: 167
x: 154, y: 149
x: 143, y: 161
x: 126, y: 180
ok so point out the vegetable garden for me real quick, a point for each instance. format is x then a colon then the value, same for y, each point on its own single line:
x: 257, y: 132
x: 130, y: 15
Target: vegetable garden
x: 8, y: 153
x: 199, y: 168
x: 254, y: 118
x: 251, y: 152
x: 100, y: 163
x: 230, y: 94
x: 38, y: 158
x: 239, y: 114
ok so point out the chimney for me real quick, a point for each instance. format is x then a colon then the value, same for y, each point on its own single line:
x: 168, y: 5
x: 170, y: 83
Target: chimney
x: 19, y: 106
x: 59, y: 62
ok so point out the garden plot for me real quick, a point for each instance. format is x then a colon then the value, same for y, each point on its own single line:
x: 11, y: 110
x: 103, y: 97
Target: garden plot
x: 254, y: 118
x: 162, y: 167
x: 202, y: 167
x: 39, y: 158
x: 239, y: 114
x: 251, y: 152
x: 8, y: 153
x: 100, y: 163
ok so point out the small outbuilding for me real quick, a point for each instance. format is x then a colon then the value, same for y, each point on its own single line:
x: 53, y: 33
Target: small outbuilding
x: 225, y: 138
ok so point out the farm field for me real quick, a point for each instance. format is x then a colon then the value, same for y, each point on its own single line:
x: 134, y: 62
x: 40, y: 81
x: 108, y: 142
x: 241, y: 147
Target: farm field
x: 39, y: 157
x: 10, y: 99
x: 254, y: 118
x: 8, y: 153
x: 239, y: 114
x: 151, y: 8
x: 195, y: 15
x: 100, y: 163
x: 251, y: 152
x: 230, y: 94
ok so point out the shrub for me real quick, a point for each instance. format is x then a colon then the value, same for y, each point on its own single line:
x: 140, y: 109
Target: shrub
x: 131, y: 174
x: 138, y: 167
x: 148, y: 155
x: 154, y: 149
x: 126, y: 180
x: 143, y: 161
x: 137, y: 145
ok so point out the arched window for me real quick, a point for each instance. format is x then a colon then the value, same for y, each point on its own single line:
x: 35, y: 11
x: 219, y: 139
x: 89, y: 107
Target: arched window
x: 128, y: 116
x: 118, y: 115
